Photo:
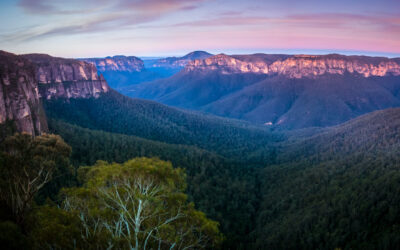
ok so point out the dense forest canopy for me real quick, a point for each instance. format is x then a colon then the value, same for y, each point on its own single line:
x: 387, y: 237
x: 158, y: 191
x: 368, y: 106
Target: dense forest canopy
x: 278, y: 196
x: 315, y: 188
x: 139, y: 204
x: 115, y: 113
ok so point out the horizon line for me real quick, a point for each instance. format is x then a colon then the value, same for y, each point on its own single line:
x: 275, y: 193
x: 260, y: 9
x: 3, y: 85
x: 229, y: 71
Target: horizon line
x: 232, y: 52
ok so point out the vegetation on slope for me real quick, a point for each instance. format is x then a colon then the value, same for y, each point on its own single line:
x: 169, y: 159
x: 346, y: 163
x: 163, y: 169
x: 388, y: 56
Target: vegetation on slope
x: 328, y: 188
x: 333, y: 187
x: 336, y: 189
x: 218, y: 186
x: 137, y: 204
x: 115, y: 113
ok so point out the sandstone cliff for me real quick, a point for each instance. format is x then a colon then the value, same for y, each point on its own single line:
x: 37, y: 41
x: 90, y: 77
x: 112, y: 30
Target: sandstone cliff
x: 299, y: 66
x: 19, y: 97
x: 282, y: 90
x: 67, y: 78
x: 25, y: 79
x: 117, y: 63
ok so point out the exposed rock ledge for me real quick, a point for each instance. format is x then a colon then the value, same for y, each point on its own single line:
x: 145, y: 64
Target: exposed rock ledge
x: 67, y: 78
x: 117, y: 63
x: 19, y: 97
x: 299, y: 66
x: 25, y: 79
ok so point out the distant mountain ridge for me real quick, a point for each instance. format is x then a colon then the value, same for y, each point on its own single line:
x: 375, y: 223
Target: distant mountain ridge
x: 298, y: 66
x: 123, y: 71
x: 281, y: 90
x: 73, y: 90
x: 117, y: 63
x: 181, y: 61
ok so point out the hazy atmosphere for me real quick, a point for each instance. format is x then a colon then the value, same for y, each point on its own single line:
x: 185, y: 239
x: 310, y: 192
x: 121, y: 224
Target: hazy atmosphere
x: 174, y: 27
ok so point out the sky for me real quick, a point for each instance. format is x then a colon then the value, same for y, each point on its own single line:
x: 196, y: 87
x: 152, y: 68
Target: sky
x: 98, y: 28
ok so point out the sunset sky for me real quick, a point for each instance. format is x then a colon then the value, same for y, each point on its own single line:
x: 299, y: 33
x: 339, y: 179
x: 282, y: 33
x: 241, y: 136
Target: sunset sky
x: 89, y: 28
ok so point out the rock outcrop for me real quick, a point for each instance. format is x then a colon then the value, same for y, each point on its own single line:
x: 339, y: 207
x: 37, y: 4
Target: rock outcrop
x: 19, y: 96
x: 24, y: 79
x: 124, y: 72
x: 299, y: 66
x: 67, y: 78
x: 117, y: 63
x: 287, y: 91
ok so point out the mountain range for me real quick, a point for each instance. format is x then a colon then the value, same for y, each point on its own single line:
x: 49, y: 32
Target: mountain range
x: 281, y: 90
x: 73, y: 91
x: 124, y: 71
x: 310, y: 188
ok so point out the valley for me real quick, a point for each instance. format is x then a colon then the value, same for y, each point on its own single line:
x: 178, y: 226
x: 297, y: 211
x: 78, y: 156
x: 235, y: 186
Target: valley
x: 198, y: 124
x: 290, y: 92
x: 267, y: 186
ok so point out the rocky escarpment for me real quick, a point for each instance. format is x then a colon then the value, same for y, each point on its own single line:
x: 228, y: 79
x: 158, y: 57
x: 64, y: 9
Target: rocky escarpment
x: 20, y: 107
x: 299, y: 66
x: 117, y: 63
x: 24, y: 79
x: 121, y: 70
x: 286, y: 91
x: 67, y: 78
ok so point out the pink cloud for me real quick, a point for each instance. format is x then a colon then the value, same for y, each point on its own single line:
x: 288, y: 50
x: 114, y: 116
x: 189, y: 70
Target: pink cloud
x: 184, y: 25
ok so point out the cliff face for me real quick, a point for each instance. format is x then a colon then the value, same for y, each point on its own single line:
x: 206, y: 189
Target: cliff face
x: 67, y: 78
x: 117, y: 63
x: 299, y: 66
x: 25, y: 79
x: 19, y: 96
x: 282, y: 90
x: 121, y: 71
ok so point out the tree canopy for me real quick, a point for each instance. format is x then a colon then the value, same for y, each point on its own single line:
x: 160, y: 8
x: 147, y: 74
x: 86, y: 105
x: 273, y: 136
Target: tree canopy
x: 27, y: 164
x: 138, y: 204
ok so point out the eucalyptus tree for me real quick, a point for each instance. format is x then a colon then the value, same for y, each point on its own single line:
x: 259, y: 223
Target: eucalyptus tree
x: 27, y: 164
x: 139, y: 204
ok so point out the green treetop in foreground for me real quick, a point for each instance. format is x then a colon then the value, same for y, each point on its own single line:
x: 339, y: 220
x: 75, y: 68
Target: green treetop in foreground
x: 139, y: 204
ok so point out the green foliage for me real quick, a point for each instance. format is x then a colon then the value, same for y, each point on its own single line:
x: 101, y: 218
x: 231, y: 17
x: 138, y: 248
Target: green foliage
x: 113, y: 112
x: 338, y: 188
x: 53, y: 228
x: 324, y: 188
x: 225, y: 190
x: 27, y: 164
x: 137, y: 204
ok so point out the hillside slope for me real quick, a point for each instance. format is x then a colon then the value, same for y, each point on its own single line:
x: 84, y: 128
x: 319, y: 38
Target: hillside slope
x: 308, y: 102
x: 336, y: 189
x: 285, y: 91
x: 113, y: 112
x: 193, y: 90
